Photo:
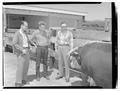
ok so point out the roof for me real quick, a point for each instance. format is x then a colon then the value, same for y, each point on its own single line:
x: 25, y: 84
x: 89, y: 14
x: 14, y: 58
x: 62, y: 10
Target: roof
x: 23, y: 7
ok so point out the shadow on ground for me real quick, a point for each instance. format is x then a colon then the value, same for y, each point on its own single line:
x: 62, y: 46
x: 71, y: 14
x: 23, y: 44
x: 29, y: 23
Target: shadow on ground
x: 32, y: 77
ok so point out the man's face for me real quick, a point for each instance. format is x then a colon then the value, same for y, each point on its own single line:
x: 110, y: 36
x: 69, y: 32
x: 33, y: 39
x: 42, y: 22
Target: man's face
x: 63, y: 27
x: 42, y: 27
x: 25, y: 27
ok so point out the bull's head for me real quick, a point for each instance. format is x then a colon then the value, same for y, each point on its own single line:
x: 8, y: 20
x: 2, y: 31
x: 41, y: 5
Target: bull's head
x: 75, y: 61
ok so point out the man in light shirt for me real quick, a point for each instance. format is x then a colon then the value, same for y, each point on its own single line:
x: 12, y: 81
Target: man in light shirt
x: 21, y: 49
x: 64, y: 44
x: 41, y: 38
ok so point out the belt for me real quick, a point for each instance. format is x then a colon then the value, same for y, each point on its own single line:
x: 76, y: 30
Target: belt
x: 63, y: 44
x: 25, y: 47
x: 42, y: 46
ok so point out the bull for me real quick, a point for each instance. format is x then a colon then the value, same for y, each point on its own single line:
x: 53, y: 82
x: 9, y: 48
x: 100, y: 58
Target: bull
x: 95, y: 61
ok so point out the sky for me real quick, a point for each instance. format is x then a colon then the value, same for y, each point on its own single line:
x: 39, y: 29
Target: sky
x: 95, y: 11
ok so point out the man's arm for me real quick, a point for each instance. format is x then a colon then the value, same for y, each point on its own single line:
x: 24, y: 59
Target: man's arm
x: 33, y: 38
x: 48, y: 37
x: 15, y: 40
x: 57, y: 39
x: 71, y: 41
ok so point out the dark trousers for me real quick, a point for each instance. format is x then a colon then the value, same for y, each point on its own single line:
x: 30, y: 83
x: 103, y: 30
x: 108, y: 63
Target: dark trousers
x: 52, y: 46
x: 42, y: 57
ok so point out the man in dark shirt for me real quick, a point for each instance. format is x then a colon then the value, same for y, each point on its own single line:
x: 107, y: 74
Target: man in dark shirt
x: 40, y: 37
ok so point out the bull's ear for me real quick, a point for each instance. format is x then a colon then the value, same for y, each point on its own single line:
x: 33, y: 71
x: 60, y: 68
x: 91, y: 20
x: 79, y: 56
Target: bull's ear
x: 71, y: 54
x: 75, y: 52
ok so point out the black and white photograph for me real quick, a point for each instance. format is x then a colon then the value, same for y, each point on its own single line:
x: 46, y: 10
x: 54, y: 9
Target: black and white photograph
x: 59, y: 45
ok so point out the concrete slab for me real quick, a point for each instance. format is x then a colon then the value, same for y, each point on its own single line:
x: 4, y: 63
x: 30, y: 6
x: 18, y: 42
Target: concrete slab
x: 10, y: 66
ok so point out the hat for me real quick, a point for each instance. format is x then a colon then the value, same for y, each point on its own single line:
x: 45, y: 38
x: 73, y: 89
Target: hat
x: 63, y: 23
x: 41, y: 23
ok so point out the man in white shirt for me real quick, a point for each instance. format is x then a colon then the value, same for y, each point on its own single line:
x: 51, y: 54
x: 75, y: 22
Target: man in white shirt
x: 65, y: 44
x: 21, y: 49
x: 25, y: 40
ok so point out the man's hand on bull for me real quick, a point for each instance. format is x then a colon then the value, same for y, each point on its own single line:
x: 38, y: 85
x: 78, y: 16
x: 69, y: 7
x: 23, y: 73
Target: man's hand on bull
x: 74, y: 54
x: 24, y: 51
x: 69, y: 52
x: 31, y: 43
x: 74, y: 63
x: 72, y: 51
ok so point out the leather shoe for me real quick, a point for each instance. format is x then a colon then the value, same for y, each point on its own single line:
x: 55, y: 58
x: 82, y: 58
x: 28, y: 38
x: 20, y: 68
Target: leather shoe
x: 38, y: 78
x: 67, y: 80
x: 18, y: 85
x: 58, y: 77
x: 24, y: 82
x: 47, y: 77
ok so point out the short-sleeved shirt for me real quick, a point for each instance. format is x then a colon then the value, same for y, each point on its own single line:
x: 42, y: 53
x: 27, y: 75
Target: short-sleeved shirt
x: 41, y: 37
x: 66, y: 38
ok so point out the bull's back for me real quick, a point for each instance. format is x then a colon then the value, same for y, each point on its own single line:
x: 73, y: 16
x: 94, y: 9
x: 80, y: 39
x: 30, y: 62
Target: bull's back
x: 97, y: 62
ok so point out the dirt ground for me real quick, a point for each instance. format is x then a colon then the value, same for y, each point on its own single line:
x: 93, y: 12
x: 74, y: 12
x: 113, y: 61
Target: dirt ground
x: 10, y: 66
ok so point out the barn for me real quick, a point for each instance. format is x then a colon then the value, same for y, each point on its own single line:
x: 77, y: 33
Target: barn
x: 13, y: 14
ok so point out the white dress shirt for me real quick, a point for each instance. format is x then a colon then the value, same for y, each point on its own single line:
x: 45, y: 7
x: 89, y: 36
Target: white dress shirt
x: 25, y: 40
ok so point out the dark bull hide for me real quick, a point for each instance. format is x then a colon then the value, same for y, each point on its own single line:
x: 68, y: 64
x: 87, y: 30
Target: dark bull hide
x: 95, y: 60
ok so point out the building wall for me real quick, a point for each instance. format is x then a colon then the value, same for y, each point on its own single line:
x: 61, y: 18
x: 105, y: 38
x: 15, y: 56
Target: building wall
x: 14, y: 21
x: 108, y: 24
x: 33, y: 17
x: 33, y: 21
x: 55, y: 21
x: 71, y: 21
